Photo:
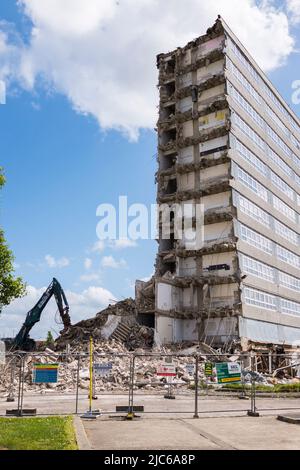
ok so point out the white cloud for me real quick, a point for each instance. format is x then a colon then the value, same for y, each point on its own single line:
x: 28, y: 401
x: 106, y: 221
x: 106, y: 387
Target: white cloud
x: 122, y: 244
x: 90, y: 277
x: 74, y: 17
x: 101, y: 54
x: 293, y: 8
x: 111, y: 262
x: 57, y: 263
x: 88, y: 263
x: 98, y: 247
x: 10, y: 55
x: 82, y: 305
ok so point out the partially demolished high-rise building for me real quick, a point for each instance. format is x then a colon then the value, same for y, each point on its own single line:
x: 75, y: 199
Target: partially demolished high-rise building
x: 227, y: 140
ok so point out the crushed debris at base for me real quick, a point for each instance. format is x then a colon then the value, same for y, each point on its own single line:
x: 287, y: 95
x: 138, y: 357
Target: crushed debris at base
x: 117, y: 322
x: 74, y: 368
x: 117, y: 332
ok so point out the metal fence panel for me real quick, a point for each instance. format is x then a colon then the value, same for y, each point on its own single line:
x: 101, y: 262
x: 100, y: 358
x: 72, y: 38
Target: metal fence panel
x: 123, y: 382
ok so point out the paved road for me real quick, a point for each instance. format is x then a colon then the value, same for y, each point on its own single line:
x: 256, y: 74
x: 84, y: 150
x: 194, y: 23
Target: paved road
x: 217, y: 428
x: 154, y: 405
x: 228, y: 433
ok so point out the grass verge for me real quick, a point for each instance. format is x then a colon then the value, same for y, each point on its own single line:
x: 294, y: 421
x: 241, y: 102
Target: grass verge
x: 52, y: 433
x: 237, y: 387
x: 278, y: 388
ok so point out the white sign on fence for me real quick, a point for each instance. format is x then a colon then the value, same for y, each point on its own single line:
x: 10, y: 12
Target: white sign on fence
x: 234, y: 367
x: 166, y: 370
x: 102, y: 370
x: 190, y: 368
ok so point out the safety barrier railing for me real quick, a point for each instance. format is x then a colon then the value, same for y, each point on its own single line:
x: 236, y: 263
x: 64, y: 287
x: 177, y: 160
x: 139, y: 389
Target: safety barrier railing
x: 213, y: 383
x: 12, y: 380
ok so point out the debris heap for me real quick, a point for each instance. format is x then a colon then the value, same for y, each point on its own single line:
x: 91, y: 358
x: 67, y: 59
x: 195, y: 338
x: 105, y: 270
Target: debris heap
x: 145, y: 296
x: 123, y: 311
x: 104, y: 352
x: 74, y: 367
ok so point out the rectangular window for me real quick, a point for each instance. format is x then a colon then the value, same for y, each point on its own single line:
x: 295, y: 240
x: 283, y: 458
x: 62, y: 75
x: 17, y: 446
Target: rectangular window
x: 246, y: 106
x: 284, y: 208
x: 296, y: 160
x: 254, y: 74
x: 288, y: 256
x: 279, y: 162
x: 294, y: 124
x: 247, y: 85
x: 280, y: 184
x: 289, y: 307
x: 255, y: 239
x: 295, y: 142
x: 285, y: 232
x: 254, y: 161
x: 252, y: 183
x: 258, y: 269
x: 288, y: 281
x: 297, y: 180
x: 276, y: 101
x: 249, y: 156
x: 248, y: 131
x: 277, y: 121
x: 244, y: 61
x: 251, y: 209
x: 260, y: 299
x: 260, y: 121
x: 278, y: 141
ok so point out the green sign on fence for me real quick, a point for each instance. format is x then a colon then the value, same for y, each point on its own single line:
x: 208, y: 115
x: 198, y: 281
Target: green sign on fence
x: 208, y: 369
x: 228, y: 372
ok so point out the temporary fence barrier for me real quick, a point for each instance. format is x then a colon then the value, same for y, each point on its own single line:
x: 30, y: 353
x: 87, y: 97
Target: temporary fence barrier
x: 144, y: 383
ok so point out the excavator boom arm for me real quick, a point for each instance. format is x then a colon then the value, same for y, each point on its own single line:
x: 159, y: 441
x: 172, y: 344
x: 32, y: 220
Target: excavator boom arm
x: 34, y: 315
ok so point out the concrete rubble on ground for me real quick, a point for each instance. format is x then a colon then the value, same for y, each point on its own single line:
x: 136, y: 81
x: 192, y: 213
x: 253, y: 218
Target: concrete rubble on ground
x: 117, y: 334
x: 145, y: 296
x: 104, y: 352
x: 118, y: 321
x: 118, y: 381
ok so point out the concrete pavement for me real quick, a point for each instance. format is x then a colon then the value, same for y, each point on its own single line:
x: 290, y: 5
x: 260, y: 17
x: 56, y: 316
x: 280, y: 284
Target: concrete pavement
x: 226, y: 433
x: 154, y: 405
x: 223, y: 422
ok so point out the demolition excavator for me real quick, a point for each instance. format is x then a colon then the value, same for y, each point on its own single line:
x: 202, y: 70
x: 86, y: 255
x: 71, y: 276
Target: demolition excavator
x: 23, y: 341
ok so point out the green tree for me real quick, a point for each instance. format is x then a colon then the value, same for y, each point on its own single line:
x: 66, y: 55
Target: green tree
x: 50, y: 339
x: 11, y: 287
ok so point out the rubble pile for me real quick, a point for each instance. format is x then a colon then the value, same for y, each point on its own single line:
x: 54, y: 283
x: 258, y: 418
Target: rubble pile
x: 116, y: 333
x: 139, y: 337
x: 74, y: 365
x: 145, y: 296
x: 82, y: 331
x: 145, y: 370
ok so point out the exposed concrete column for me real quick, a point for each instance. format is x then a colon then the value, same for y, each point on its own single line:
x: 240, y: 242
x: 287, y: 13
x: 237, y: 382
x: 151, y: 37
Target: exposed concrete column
x: 196, y: 159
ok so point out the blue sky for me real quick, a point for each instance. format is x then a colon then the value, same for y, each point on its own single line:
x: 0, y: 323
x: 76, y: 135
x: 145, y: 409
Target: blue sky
x: 59, y: 168
x: 64, y: 155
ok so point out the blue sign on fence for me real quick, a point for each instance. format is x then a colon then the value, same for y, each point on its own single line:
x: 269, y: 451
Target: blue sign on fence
x: 103, y: 370
x: 45, y: 373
